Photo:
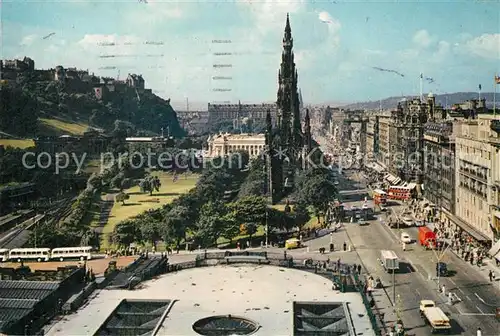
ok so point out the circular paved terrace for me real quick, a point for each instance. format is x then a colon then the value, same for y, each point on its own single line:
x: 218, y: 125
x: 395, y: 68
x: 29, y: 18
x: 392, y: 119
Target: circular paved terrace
x: 264, y: 294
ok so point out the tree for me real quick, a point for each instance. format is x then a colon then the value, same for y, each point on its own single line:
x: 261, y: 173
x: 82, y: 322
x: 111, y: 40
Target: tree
x: 125, y: 233
x: 250, y: 211
x: 95, y: 180
x: 150, y: 184
x: 117, y: 181
x: 300, y: 215
x: 175, y: 225
x: 317, y: 189
x: 211, y: 222
x: 122, y: 197
x: 149, y: 227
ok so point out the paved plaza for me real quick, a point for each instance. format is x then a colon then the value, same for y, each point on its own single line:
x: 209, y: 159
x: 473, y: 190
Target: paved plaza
x: 263, y: 294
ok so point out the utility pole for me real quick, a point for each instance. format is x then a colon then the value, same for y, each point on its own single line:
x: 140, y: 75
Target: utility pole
x: 393, y: 286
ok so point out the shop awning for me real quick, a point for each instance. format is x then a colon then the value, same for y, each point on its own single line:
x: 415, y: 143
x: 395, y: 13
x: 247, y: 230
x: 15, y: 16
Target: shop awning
x: 495, y: 251
x: 396, y: 181
x: 466, y: 227
x: 411, y: 185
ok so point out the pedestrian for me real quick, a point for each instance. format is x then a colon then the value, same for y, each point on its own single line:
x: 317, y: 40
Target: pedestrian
x: 490, y: 275
x: 443, y: 290
x: 404, y: 246
x: 479, y: 333
x: 345, y: 246
x: 359, y: 269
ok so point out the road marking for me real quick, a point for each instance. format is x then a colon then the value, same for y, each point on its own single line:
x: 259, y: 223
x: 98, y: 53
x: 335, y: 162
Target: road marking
x: 480, y: 310
x: 468, y: 298
x: 456, y: 285
x: 416, y: 290
x: 480, y: 299
x: 476, y: 314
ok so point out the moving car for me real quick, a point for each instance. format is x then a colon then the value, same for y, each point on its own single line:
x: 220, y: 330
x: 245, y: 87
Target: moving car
x: 408, y: 221
x: 419, y: 223
x: 292, y: 243
x: 405, y: 238
x: 434, y: 316
x: 441, y: 269
x: 383, y: 208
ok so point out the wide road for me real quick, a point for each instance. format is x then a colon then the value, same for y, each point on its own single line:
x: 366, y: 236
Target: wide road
x: 479, y: 297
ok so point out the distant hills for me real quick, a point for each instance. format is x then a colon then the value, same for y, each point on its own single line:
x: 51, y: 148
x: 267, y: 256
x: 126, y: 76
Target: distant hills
x: 446, y: 99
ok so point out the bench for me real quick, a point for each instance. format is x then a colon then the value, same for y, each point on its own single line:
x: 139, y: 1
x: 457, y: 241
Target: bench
x: 246, y: 259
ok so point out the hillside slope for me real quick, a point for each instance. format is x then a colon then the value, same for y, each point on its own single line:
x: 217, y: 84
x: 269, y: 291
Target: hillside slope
x: 447, y: 99
x: 32, y: 108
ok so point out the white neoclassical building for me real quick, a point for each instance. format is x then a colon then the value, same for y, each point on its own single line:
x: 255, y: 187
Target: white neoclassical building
x: 224, y: 144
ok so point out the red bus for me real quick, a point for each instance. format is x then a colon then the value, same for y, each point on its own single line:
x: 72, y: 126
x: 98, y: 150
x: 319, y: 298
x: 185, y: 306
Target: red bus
x: 399, y: 193
x: 379, y: 196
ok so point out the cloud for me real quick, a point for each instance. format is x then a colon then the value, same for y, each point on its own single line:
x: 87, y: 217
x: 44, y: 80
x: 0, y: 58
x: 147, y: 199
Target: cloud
x: 443, y: 50
x: 270, y: 14
x: 28, y: 40
x: 422, y: 39
x: 486, y: 45
x: 333, y: 28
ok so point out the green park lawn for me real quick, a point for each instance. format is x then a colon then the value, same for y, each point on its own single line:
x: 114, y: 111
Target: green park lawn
x: 139, y: 202
x: 17, y: 143
x: 62, y: 127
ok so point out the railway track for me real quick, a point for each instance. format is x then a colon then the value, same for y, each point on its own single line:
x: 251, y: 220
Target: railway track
x: 9, y: 240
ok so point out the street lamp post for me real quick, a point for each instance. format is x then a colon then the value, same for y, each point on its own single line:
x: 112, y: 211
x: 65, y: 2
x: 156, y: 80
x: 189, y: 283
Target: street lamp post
x: 393, y: 286
x: 267, y: 230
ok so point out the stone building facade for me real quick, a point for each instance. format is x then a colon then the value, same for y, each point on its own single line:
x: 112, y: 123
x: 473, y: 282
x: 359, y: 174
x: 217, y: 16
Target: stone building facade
x: 225, y: 144
x: 477, y: 177
x: 237, y: 112
x: 439, y: 165
x: 384, y: 139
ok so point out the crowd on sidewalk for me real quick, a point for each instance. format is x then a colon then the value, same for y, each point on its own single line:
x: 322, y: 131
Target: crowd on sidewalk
x: 460, y: 242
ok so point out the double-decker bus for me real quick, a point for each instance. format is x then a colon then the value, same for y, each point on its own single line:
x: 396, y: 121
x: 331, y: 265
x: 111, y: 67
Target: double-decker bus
x: 399, y: 193
x: 379, y: 196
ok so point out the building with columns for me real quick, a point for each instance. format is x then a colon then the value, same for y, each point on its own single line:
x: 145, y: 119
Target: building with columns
x: 225, y: 144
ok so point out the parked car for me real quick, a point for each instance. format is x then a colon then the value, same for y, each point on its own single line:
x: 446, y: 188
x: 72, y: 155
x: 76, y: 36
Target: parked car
x: 383, y: 208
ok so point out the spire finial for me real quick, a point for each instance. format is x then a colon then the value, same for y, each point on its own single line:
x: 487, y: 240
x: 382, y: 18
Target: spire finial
x: 287, y: 27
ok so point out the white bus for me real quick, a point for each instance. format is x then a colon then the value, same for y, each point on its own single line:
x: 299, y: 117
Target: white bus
x: 82, y: 253
x: 4, y: 255
x: 38, y: 254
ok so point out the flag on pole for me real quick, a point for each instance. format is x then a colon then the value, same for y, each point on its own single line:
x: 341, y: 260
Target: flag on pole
x: 479, y: 87
x: 422, y: 75
x: 497, y: 79
x: 176, y: 177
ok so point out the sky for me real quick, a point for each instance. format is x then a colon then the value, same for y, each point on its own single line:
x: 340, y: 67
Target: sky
x: 337, y: 45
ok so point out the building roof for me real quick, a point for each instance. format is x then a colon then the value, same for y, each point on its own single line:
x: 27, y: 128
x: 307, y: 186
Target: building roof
x: 245, y: 136
x: 17, y: 298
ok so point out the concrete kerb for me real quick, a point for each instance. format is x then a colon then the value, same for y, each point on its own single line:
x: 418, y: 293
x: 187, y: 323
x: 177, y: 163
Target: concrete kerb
x: 377, y: 309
